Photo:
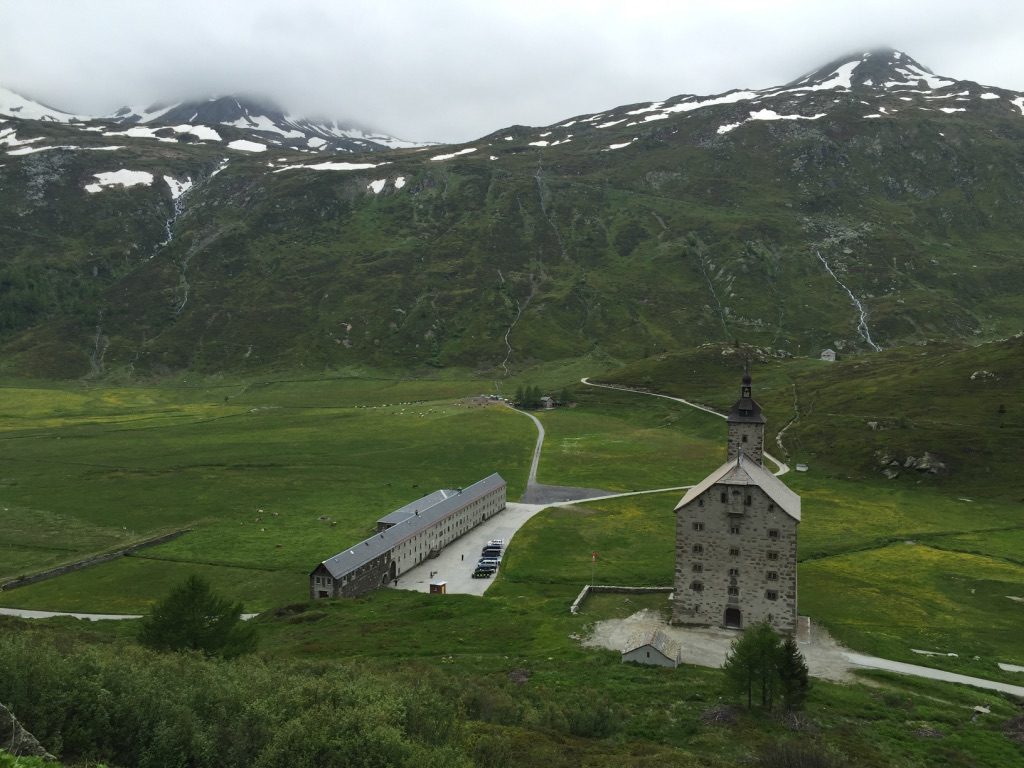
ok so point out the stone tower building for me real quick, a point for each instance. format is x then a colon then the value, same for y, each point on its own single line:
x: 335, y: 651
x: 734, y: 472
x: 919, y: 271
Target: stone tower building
x: 736, y: 536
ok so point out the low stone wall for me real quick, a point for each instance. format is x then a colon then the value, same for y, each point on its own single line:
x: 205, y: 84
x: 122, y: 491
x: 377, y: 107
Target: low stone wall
x: 575, y: 607
x: 78, y: 565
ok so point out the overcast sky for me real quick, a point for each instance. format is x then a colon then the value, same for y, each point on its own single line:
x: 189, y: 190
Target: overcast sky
x: 454, y: 70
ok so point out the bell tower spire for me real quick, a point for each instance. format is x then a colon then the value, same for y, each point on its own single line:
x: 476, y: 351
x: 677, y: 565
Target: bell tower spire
x: 746, y: 424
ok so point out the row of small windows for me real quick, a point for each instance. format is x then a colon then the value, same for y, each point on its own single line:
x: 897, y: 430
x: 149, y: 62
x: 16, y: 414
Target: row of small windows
x: 747, y: 501
x: 769, y: 594
x: 698, y: 549
x: 773, y: 533
x: 735, y: 572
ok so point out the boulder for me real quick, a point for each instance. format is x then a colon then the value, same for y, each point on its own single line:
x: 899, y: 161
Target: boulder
x: 17, y: 740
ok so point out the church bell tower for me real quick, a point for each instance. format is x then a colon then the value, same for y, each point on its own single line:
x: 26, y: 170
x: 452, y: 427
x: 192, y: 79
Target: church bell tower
x: 746, y: 425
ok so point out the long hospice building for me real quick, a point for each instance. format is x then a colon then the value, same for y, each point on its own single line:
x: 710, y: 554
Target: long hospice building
x: 407, y: 537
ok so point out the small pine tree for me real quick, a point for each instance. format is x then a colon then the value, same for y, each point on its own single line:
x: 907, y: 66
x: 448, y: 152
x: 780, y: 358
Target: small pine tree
x: 520, y: 396
x: 793, y: 679
x: 565, y: 397
x: 753, y: 664
x: 193, y: 618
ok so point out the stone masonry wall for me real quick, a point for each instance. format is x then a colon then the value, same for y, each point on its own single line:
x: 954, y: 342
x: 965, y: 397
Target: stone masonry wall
x: 751, y: 561
x: 753, y: 449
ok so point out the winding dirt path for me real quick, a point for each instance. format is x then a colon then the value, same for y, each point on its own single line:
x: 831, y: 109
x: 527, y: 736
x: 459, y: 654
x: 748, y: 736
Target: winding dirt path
x: 781, y: 467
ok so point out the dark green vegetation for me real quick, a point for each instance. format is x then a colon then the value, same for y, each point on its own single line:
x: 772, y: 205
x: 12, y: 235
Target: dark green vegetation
x: 453, y: 681
x: 686, y: 235
x: 773, y: 666
x: 193, y: 618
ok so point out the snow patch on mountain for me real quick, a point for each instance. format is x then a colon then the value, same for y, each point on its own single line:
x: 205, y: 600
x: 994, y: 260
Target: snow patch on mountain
x: 329, y: 166
x: 9, y: 137
x: 767, y: 114
x: 244, y: 145
x: 1019, y: 103
x: 377, y: 185
x: 400, y: 182
x: 121, y: 178
x: 449, y: 156
x: 178, y: 188
x: 841, y: 78
x: 16, y: 105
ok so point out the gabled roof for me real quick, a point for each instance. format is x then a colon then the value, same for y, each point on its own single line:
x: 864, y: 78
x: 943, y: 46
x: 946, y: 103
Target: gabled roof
x: 420, y: 505
x: 359, y: 554
x: 745, y: 471
x: 746, y: 410
x: 658, y: 640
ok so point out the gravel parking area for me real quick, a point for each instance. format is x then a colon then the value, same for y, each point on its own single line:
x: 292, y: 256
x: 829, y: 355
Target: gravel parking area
x: 457, y: 561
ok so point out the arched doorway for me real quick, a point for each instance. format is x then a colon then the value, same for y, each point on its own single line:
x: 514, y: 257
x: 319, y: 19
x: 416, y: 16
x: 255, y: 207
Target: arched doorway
x: 733, y: 619
x: 390, y: 574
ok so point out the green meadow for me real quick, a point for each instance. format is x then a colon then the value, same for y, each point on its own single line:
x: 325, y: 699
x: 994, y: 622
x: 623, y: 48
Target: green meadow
x: 273, y: 476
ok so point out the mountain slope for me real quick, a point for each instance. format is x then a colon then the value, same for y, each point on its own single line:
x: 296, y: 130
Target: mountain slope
x: 265, y: 122
x: 868, y: 204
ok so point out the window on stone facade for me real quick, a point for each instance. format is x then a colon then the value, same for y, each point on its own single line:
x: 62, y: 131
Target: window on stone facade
x: 771, y: 507
x: 698, y: 549
x: 748, y: 500
x: 734, y: 529
x: 698, y: 567
x: 697, y: 586
x: 772, y: 555
x: 744, y: 438
x: 734, y: 552
x: 771, y: 594
x: 773, y: 533
x: 734, y: 572
x: 772, y: 576
x: 725, y: 497
x: 734, y: 591
x: 317, y: 580
x: 698, y: 526
x: 700, y: 502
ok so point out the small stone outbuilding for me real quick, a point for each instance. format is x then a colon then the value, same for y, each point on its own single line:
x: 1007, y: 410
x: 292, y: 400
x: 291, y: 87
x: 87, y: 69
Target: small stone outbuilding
x: 655, y: 648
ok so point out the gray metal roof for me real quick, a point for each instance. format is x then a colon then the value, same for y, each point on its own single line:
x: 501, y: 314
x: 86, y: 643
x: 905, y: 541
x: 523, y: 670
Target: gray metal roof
x: 410, y: 509
x: 359, y: 554
x: 658, y: 640
x: 745, y: 471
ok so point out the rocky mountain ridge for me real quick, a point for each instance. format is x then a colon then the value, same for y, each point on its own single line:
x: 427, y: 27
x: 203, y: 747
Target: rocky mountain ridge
x: 250, y: 119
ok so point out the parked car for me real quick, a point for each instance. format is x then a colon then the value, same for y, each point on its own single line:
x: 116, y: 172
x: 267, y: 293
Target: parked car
x: 496, y: 543
x: 483, y: 573
x: 488, y: 562
x: 490, y: 552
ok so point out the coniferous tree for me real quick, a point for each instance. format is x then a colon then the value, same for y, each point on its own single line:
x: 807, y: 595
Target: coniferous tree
x: 520, y: 396
x: 793, y: 679
x: 753, y: 664
x: 193, y: 618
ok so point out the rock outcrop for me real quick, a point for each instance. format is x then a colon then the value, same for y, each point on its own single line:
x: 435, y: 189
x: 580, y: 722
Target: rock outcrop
x: 17, y: 740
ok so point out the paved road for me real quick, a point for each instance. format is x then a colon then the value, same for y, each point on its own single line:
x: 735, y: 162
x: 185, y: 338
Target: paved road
x: 781, y: 467
x: 26, y: 614
x: 456, y: 562
x: 708, y: 647
x: 872, y: 662
x: 539, y: 493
